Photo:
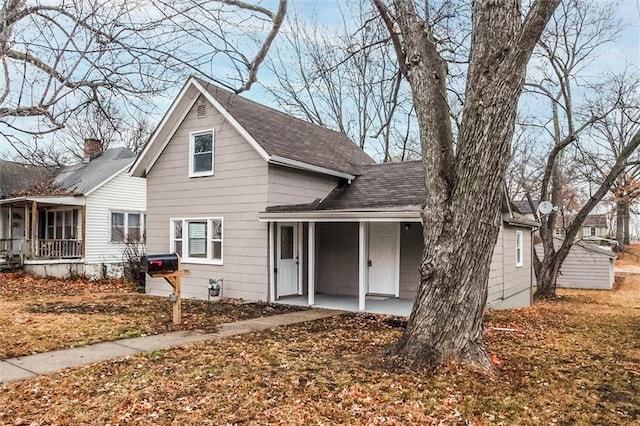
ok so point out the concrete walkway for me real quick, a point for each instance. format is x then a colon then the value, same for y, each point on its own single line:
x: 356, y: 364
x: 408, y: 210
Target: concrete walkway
x: 627, y: 269
x: 20, y: 368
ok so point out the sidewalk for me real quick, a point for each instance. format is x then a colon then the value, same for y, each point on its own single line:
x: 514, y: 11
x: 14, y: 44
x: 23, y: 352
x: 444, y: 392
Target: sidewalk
x: 626, y: 269
x: 20, y: 368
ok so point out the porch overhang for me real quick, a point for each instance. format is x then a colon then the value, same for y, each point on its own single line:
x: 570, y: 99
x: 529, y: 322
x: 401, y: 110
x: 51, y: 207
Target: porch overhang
x: 43, y: 200
x: 404, y: 214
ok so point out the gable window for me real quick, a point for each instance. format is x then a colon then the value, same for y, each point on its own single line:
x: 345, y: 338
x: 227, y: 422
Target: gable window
x: 197, y: 240
x: 519, y: 247
x: 201, y: 154
x: 127, y: 227
x: 593, y: 231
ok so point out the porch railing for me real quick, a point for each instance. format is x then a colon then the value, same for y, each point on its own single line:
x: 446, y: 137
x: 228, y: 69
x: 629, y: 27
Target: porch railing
x: 59, y: 249
x: 11, y: 251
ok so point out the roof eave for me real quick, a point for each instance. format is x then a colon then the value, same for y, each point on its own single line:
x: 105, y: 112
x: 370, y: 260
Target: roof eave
x: 68, y: 200
x: 365, y: 215
x: 287, y: 162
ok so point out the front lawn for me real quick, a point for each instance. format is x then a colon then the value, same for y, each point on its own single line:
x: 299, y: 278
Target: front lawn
x: 43, y: 314
x: 571, y: 361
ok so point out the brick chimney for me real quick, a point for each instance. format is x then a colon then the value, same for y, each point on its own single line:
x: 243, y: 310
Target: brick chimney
x: 91, y: 148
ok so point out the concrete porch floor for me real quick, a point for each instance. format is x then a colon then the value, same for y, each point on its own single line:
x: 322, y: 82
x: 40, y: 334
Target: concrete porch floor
x: 373, y: 304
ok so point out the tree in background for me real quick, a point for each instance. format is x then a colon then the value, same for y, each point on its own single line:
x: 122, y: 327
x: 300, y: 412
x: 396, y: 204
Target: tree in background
x: 577, y: 31
x: 611, y: 135
x: 105, y: 123
x: 60, y: 59
x: 347, y: 80
x: 464, y: 170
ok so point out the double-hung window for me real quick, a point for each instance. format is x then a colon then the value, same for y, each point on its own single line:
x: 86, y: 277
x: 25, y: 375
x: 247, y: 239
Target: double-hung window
x: 519, y: 249
x: 201, y: 154
x: 127, y: 227
x: 197, y: 240
x: 61, y: 224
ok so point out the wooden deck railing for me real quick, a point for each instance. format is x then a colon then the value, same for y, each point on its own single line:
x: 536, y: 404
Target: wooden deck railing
x: 59, y: 249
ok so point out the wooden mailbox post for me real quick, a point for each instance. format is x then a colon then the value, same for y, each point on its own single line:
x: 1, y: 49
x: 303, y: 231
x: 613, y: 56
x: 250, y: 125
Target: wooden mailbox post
x: 168, y: 267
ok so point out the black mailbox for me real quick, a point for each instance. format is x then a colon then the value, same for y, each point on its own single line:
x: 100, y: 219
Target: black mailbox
x: 158, y: 263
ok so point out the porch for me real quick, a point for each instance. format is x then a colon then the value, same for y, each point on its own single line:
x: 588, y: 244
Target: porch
x: 373, y: 304
x: 42, y: 228
x: 368, y: 266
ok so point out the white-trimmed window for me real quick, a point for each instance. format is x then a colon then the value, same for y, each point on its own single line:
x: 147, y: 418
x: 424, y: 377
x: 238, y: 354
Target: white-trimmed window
x: 127, y: 227
x: 61, y: 224
x: 197, y: 240
x: 201, y: 154
x: 519, y: 247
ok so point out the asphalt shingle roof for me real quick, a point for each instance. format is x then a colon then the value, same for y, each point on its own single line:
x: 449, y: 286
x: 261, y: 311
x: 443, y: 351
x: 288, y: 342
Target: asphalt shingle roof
x: 16, y: 177
x: 286, y: 136
x: 83, y: 177
x: 376, y: 187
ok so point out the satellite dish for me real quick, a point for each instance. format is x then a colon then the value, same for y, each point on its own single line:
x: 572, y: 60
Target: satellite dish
x: 545, y: 207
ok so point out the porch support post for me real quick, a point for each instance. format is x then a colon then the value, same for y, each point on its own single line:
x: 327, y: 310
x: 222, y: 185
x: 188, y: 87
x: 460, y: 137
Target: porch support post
x: 300, y: 257
x: 363, y: 265
x: 34, y: 226
x: 312, y: 264
x: 10, y: 224
x: 272, y: 265
x: 25, y: 230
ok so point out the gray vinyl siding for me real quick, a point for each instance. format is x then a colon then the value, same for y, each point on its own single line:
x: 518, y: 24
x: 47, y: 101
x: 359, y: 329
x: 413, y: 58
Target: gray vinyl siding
x: 510, y: 285
x: 585, y: 268
x: 291, y: 186
x: 496, y: 275
x: 516, y: 279
x: 411, y: 245
x: 236, y: 192
x: 337, y: 258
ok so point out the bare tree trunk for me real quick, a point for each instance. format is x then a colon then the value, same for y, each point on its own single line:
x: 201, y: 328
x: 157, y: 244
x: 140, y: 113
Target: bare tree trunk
x: 461, y: 215
x: 620, y: 225
x: 626, y: 239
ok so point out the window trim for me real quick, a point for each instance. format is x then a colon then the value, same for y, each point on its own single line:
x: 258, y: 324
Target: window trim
x: 192, y: 139
x: 185, y: 239
x: 519, y: 249
x: 125, y: 236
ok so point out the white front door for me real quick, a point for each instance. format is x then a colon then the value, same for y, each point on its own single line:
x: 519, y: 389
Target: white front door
x: 287, y: 259
x: 384, y: 258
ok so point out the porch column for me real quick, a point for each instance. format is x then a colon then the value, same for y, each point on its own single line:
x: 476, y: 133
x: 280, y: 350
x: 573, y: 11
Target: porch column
x: 34, y: 226
x: 272, y: 264
x: 25, y: 232
x: 311, y: 287
x: 363, y: 265
x: 10, y: 224
x: 300, y: 257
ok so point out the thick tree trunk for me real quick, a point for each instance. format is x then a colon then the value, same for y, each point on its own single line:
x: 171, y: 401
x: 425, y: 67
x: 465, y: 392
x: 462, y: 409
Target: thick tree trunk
x: 547, y: 275
x: 462, y: 214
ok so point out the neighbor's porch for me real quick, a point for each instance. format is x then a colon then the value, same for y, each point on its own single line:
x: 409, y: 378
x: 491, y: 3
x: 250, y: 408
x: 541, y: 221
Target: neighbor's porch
x: 42, y: 228
x: 343, y: 263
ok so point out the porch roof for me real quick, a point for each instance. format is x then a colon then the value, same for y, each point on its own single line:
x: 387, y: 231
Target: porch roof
x: 389, y: 192
x: 44, y: 200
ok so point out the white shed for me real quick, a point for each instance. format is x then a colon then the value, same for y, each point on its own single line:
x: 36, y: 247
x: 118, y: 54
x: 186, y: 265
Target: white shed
x: 586, y: 266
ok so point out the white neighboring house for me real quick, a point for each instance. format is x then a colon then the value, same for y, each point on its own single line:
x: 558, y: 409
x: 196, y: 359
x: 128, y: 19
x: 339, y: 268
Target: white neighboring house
x: 78, y: 223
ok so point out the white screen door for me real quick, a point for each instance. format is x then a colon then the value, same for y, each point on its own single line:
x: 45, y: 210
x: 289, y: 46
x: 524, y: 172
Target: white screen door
x: 287, y: 259
x: 383, y: 258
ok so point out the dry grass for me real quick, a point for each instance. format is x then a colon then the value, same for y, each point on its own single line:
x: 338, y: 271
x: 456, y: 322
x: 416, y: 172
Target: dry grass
x: 630, y: 256
x: 571, y: 361
x: 39, y: 315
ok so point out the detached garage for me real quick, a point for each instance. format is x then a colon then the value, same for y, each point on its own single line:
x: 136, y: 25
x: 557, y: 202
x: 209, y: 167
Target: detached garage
x: 587, y: 266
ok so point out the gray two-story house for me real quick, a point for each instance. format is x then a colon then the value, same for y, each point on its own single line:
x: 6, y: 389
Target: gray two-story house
x: 285, y: 210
